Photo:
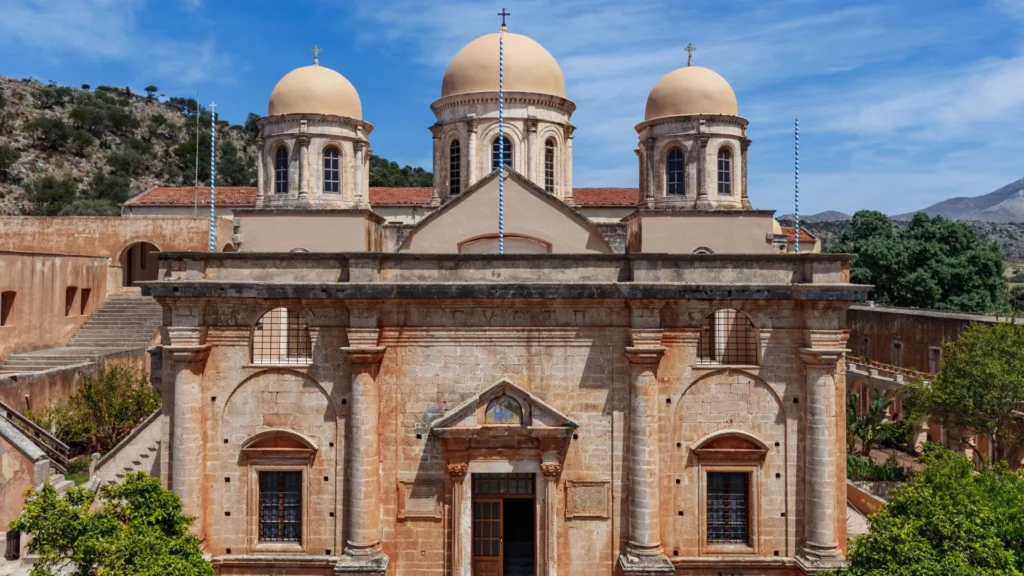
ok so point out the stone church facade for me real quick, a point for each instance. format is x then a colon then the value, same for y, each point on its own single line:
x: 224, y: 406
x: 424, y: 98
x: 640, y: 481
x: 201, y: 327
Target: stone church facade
x: 414, y: 404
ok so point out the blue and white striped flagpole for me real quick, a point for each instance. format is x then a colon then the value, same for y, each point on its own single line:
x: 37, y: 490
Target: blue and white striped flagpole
x: 796, y: 178
x: 501, y: 136
x: 213, y: 174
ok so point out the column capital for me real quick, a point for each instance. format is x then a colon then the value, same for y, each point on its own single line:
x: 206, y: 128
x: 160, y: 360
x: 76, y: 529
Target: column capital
x: 551, y: 469
x: 531, y: 124
x: 188, y: 354
x: 744, y: 144
x: 473, y: 124
x: 644, y: 355
x: 364, y: 356
x: 821, y: 357
x: 458, y: 470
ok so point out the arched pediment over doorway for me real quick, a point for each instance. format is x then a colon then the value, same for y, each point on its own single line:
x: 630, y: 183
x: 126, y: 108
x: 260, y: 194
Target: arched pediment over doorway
x: 503, y: 409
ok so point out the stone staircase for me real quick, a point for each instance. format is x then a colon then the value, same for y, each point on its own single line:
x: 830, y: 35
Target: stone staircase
x: 124, y: 321
x: 144, y: 461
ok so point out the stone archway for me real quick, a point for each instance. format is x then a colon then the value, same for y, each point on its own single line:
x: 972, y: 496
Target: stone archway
x: 138, y: 263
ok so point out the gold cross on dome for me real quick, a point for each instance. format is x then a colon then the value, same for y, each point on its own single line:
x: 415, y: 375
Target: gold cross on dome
x: 316, y: 54
x: 690, y: 49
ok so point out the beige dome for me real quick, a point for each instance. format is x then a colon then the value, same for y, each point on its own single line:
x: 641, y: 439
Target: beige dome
x: 315, y: 90
x: 691, y: 90
x: 528, y: 68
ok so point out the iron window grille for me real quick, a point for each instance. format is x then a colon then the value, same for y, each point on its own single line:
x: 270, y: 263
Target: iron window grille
x: 281, y: 336
x: 728, y: 509
x: 725, y: 172
x: 674, y: 172
x: 549, y: 166
x: 496, y: 152
x: 332, y: 171
x: 727, y: 337
x: 503, y: 484
x: 281, y: 171
x: 280, y: 507
x: 454, y: 168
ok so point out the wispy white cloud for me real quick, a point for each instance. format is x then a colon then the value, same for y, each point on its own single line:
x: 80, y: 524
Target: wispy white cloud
x: 108, y: 30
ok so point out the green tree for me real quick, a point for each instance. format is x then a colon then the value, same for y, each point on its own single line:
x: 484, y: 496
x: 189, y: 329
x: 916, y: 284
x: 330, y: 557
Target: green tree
x: 135, y: 528
x: 104, y: 410
x: 252, y: 127
x: 151, y: 92
x: 52, y: 96
x: 87, y: 207
x: 870, y: 427
x: 112, y: 188
x: 947, y: 521
x: 931, y: 263
x: 50, y: 133
x: 50, y: 194
x: 980, y: 387
x: 80, y: 142
x: 232, y: 170
x: 386, y: 173
x: 8, y: 156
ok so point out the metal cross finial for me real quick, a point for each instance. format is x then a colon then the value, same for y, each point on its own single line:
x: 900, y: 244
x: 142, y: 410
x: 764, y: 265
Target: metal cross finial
x: 213, y: 107
x: 503, y: 14
x: 690, y: 49
x: 316, y: 55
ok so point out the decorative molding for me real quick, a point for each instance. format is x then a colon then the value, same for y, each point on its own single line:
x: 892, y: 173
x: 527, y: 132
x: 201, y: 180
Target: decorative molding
x: 551, y: 469
x: 487, y: 336
x: 587, y: 499
x: 646, y: 355
x: 458, y: 470
x: 821, y: 358
x: 364, y: 356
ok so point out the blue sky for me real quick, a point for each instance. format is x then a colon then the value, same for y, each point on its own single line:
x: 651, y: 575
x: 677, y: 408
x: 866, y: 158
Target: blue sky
x: 902, y: 103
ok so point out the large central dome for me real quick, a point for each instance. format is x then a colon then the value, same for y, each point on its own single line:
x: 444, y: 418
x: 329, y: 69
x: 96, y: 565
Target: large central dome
x: 528, y: 68
x: 315, y: 90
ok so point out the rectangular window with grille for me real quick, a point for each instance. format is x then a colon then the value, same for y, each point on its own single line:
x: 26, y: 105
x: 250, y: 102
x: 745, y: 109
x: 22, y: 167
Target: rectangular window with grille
x: 728, y: 507
x: 281, y: 336
x: 280, y: 506
x: 727, y: 337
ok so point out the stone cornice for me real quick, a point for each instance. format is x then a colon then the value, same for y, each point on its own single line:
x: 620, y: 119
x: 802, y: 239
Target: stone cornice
x: 563, y: 105
x: 314, y: 119
x: 821, y: 357
x: 645, y: 354
x: 737, y: 121
x: 364, y: 356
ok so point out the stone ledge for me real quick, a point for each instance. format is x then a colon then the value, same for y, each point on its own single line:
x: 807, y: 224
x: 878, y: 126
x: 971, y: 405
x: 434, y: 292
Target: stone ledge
x: 642, y: 565
x: 278, y: 560
x: 355, y: 566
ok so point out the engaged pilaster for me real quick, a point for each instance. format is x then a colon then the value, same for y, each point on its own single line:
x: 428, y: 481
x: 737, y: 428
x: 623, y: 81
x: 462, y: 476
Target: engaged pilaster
x: 821, y: 548
x: 188, y: 361
x: 744, y: 199
x: 703, y: 202
x: 363, y: 554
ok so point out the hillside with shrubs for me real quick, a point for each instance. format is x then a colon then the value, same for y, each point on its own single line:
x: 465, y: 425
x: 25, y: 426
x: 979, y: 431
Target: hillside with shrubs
x: 84, y: 151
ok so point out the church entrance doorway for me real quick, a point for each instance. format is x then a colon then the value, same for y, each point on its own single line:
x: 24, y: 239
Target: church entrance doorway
x: 504, y: 525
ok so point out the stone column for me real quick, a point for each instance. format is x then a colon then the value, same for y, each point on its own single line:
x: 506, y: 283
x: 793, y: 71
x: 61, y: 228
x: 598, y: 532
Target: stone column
x: 456, y: 474
x: 303, y: 142
x: 744, y: 199
x: 472, y: 173
x: 360, y: 151
x: 643, y: 553
x: 260, y: 177
x: 566, y: 182
x: 551, y: 470
x: 648, y: 159
x: 531, y: 152
x: 188, y: 361
x: 363, y: 554
x: 821, y: 548
x: 442, y: 167
x: 703, y: 202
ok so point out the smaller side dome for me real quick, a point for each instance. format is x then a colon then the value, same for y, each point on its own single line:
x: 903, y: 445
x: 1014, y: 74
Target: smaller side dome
x: 315, y: 90
x: 691, y: 90
x: 776, y: 227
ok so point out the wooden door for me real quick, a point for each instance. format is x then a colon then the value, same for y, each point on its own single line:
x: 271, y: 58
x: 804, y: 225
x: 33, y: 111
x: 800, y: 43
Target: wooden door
x: 487, y: 537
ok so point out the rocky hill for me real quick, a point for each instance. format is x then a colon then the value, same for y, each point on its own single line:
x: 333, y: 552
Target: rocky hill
x: 84, y: 151
x: 1004, y: 205
x: 826, y: 216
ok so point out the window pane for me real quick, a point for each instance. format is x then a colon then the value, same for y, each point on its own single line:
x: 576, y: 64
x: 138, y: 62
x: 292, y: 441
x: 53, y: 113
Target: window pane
x: 281, y: 171
x: 549, y: 166
x: 727, y: 509
x: 674, y: 172
x: 455, y: 168
x: 724, y: 172
x: 280, y: 513
x: 332, y: 171
x: 496, y: 153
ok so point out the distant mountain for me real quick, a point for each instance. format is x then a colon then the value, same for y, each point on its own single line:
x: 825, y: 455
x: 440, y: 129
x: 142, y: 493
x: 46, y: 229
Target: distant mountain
x: 826, y: 216
x: 1002, y: 206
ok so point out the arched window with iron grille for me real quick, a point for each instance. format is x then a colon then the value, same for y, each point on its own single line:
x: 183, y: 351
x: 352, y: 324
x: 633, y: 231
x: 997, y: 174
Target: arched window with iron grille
x: 496, y: 152
x: 727, y: 337
x: 675, y: 173
x: 281, y: 336
x: 332, y: 171
x: 725, y: 171
x: 549, y: 166
x: 454, y: 168
x: 281, y: 170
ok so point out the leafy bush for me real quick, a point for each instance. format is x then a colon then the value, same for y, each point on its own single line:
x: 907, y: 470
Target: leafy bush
x: 385, y: 173
x: 133, y: 528
x: 103, y: 411
x: 86, y: 207
x: 50, y: 133
x: 948, y: 520
x: 861, y: 468
x: 50, y: 194
x: 80, y: 142
x: 52, y: 96
x: 113, y: 188
x: 126, y: 162
x: 8, y: 156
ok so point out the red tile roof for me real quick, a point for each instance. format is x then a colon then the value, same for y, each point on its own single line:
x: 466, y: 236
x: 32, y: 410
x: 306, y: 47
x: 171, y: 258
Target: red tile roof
x: 400, y: 196
x: 229, y: 196
x: 606, y: 197
x: 805, y: 236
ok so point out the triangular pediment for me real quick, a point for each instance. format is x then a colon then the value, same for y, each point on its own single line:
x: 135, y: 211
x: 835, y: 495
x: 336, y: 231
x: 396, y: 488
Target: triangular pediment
x: 503, y: 405
x: 534, y: 222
